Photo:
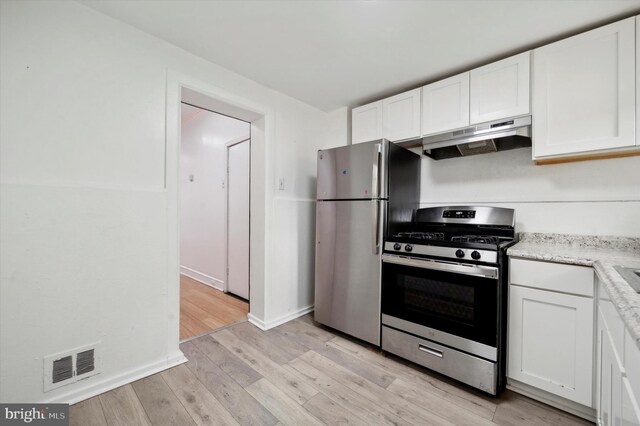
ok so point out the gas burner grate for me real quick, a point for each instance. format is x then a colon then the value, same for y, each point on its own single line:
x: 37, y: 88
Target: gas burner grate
x: 421, y: 235
x: 483, y: 239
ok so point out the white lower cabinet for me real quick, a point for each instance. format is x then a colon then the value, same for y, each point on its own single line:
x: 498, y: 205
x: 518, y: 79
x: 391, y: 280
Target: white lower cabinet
x: 618, y: 368
x: 560, y: 316
x: 609, y: 382
x: 551, y: 342
x: 630, y: 405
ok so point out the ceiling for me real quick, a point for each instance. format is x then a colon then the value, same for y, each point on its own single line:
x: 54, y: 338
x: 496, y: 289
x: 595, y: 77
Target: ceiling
x: 335, y: 53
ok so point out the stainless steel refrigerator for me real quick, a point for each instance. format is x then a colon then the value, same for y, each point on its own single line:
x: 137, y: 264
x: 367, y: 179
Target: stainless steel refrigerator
x: 363, y: 192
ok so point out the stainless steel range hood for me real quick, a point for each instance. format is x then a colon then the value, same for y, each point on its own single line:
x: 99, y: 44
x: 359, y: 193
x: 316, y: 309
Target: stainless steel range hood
x: 494, y: 136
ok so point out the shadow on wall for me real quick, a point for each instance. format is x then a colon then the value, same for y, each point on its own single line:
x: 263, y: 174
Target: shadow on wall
x: 512, y: 176
x: 306, y: 233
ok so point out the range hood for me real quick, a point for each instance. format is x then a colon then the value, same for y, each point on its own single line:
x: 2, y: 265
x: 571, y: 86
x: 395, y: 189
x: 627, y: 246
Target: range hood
x: 493, y: 136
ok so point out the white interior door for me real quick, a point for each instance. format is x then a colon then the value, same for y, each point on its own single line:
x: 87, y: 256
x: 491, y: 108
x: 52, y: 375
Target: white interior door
x: 238, y: 218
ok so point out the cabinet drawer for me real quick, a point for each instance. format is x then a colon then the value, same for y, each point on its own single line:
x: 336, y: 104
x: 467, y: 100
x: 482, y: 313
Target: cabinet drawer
x: 466, y: 368
x: 552, y: 276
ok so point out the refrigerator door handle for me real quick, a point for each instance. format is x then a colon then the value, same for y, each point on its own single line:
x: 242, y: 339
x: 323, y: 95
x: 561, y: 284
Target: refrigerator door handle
x: 375, y: 190
x: 375, y: 205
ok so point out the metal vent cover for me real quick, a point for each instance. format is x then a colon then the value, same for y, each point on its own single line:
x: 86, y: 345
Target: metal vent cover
x: 480, y: 147
x: 62, y: 369
x: 68, y: 367
x: 85, y: 362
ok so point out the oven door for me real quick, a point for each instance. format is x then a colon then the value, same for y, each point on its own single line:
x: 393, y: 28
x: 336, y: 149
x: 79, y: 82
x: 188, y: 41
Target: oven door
x: 452, y: 303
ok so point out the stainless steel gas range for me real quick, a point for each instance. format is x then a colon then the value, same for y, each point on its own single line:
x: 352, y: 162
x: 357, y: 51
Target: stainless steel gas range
x: 444, y: 292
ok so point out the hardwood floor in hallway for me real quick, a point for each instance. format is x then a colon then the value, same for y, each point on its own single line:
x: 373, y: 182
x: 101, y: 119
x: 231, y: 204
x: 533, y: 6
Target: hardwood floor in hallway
x: 203, y: 308
x: 303, y: 374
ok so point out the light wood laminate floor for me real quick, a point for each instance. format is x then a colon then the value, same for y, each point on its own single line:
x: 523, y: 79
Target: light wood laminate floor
x: 303, y: 374
x: 203, y: 308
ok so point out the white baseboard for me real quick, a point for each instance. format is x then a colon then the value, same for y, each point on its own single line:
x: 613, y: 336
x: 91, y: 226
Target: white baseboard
x: 266, y: 325
x: 558, y: 402
x: 96, y: 388
x: 203, y: 278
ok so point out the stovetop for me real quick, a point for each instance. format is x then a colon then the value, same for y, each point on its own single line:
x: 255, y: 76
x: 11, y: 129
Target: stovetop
x: 442, y: 239
x: 446, y: 238
x: 462, y: 233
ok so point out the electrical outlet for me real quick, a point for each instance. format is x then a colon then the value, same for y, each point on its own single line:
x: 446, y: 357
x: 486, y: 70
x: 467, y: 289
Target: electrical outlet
x: 281, y: 184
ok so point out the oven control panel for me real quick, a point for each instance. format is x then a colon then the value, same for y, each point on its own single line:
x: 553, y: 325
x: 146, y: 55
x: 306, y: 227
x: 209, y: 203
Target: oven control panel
x: 459, y: 214
x: 488, y: 256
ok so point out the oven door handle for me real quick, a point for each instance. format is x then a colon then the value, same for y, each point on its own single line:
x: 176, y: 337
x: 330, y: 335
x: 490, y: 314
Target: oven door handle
x: 476, y: 270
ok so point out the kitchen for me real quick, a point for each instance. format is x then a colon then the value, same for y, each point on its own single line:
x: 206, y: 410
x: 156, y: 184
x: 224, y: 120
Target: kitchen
x: 596, y: 197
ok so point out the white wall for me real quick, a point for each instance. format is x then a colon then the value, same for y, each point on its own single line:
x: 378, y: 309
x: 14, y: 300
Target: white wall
x: 590, y: 197
x: 203, y: 198
x: 84, y: 202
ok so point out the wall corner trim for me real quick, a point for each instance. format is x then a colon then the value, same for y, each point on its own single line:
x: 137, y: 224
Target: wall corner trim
x: 266, y: 325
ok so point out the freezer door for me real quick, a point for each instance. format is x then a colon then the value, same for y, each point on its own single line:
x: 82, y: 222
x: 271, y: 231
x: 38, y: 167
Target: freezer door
x: 353, y: 172
x: 348, y: 265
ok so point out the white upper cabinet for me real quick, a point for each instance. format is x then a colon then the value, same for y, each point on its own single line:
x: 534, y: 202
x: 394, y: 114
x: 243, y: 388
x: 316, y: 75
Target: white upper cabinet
x: 401, y: 116
x: 366, y: 122
x: 500, y: 90
x: 445, y: 104
x: 584, y: 92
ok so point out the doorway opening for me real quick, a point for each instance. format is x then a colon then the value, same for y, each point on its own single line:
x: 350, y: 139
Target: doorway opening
x: 214, y: 196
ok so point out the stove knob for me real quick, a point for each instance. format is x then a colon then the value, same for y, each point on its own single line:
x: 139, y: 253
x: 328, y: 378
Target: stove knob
x: 397, y: 246
x: 459, y: 253
x: 408, y: 247
x: 475, y: 255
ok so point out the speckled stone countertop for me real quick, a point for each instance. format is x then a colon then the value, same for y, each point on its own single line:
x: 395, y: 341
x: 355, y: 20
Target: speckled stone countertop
x: 603, y: 253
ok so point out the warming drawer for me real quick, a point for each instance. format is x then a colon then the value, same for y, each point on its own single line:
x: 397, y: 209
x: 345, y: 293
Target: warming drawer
x: 466, y: 368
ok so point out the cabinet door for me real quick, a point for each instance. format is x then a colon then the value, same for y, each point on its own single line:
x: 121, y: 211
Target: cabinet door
x: 500, y: 90
x: 584, y: 92
x: 366, y: 123
x: 401, y: 116
x: 610, y: 382
x: 630, y: 405
x: 551, y: 342
x: 445, y: 104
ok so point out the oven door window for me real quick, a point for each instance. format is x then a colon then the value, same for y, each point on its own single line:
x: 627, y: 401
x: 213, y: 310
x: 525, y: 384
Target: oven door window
x: 463, y: 305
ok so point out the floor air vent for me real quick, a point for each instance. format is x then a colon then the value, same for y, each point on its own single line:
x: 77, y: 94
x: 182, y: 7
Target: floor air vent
x: 69, y: 367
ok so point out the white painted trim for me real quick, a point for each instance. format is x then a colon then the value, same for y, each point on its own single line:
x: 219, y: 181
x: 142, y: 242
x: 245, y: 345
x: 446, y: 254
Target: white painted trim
x: 236, y: 141
x: 177, y: 83
x: 262, y: 325
x: 558, y: 402
x: 202, y: 278
x: 101, y: 186
x: 108, y: 384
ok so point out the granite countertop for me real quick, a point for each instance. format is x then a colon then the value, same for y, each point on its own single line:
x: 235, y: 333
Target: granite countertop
x: 602, y: 253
